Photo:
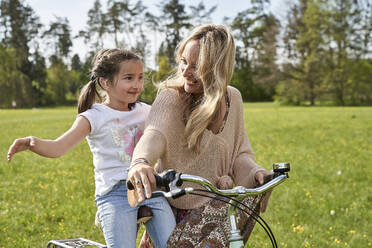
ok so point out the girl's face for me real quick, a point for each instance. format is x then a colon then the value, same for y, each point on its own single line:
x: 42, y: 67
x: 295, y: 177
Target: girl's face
x: 127, y: 86
x: 189, y: 60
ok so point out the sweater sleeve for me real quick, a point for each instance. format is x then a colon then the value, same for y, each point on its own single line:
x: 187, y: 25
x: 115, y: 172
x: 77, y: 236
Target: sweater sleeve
x: 152, y: 144
x: 244, y: 168
x: 165, y: 111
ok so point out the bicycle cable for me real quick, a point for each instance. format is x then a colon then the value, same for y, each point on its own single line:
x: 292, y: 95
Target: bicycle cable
x: 254, y: 214
x: 270, y: 234
x: 265, y: 226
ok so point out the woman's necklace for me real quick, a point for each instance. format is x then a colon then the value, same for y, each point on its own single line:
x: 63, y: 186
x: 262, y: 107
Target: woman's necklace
x: 226, y: 113
x: 196, y: 101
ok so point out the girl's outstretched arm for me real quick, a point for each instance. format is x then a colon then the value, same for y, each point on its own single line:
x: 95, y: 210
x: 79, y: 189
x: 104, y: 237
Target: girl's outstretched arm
x: 53, y: 148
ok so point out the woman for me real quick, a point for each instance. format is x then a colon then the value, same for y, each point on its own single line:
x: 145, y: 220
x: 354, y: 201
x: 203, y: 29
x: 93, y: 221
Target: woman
x: 196, y: 127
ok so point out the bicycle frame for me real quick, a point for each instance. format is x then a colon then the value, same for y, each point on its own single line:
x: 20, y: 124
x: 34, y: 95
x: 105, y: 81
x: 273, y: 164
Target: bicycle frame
x: 174, y: 180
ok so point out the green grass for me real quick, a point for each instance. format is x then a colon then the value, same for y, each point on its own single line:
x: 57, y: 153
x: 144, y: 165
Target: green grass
x: 329, y: 148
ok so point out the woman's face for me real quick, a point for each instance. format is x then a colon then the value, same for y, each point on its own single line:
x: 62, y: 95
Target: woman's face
x: 189, y: 60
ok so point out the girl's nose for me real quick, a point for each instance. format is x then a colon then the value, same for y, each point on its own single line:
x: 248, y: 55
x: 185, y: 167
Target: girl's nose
x: 137, y: 84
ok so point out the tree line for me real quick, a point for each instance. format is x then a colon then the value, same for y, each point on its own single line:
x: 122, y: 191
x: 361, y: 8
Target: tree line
x: 320, y: 53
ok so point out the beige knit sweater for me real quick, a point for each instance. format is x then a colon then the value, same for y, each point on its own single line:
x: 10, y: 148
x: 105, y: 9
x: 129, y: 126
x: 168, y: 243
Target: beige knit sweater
x: 225, y: 158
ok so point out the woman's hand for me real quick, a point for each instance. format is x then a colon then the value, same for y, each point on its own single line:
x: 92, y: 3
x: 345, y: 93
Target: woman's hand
x: 20, y: 145
x: 260, y: 179
x: 142, y: 177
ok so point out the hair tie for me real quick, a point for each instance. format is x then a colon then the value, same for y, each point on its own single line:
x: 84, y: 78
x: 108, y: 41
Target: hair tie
x: 93, y: 78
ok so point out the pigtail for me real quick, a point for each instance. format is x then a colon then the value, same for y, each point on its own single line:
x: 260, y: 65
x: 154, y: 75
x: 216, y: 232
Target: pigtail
x: 88, y: 95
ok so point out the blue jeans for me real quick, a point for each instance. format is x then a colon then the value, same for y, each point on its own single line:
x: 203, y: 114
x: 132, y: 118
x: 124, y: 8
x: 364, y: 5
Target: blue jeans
x: 119, y: 220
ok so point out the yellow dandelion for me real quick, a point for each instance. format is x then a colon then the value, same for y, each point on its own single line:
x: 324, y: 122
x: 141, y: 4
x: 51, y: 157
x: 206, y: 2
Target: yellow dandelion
x: 298, y: 229
x: 351, y: 232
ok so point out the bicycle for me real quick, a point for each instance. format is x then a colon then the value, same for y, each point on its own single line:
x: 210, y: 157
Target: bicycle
x: 172, y: 182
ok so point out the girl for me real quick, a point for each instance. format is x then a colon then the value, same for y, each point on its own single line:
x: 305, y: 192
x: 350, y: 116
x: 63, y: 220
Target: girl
x: 112, y: 128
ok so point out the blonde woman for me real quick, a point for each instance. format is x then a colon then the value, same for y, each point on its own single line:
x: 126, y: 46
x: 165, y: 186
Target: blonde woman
x: 196, y: 127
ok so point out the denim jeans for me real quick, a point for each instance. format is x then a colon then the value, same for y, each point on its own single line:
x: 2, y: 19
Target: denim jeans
x: 119, y: 220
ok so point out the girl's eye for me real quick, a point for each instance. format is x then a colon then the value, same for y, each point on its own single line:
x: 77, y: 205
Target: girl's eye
x: 128, y: 78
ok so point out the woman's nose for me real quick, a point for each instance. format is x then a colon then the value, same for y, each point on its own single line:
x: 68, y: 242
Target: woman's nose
x: 187, y: 71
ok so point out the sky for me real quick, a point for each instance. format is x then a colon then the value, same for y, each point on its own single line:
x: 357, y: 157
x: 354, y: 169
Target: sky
x: 76, y: 12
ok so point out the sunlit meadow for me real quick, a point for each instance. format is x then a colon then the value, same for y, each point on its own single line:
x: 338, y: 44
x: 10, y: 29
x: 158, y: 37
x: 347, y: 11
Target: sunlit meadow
x: 325, y: 203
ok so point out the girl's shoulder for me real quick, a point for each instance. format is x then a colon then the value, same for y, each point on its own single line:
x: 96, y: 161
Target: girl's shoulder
x: 142, y: 107
x: 93, y: 110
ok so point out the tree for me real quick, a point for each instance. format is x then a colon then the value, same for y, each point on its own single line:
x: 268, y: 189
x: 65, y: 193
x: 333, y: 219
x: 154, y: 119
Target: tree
x: 59, y: 35
x: 256, y: 69
x: 77, y: 80
x: 76, y: 63
x: 114, y: 20
x: 38, y: 70
x: 305, y: 41
x: 96, y: 26
x: 266, y: 73
x: 346, y: 41
x: 138, y: 29
x: 174, y: 21
x: 20, y: 27
x: 359, y: 83
x: 365, y: 7
x: 57, y: 84
x: 12, y: 81
x: 200, y: 14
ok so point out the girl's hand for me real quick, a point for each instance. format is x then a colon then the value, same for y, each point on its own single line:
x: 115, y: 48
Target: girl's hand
x: 142, y: 177
x: 20, y: 145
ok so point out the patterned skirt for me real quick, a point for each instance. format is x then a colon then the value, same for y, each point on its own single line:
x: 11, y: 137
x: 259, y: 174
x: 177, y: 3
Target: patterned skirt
x: 209, y: 225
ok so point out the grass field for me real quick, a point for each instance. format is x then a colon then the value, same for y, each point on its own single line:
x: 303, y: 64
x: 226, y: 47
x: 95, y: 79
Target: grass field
x: 327, y: 202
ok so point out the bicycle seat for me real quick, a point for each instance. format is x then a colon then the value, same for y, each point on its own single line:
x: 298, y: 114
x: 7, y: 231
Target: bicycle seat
x: 144, y: 214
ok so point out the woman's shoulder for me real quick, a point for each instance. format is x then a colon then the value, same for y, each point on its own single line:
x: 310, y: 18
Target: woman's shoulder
x: 234, y: 92
x: 168, y: 92
x: 168, y: 96
x: 236, y: 99
x: 166, y: 110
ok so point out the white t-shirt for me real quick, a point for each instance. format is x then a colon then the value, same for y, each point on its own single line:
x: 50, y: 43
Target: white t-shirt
x: 111, y: 140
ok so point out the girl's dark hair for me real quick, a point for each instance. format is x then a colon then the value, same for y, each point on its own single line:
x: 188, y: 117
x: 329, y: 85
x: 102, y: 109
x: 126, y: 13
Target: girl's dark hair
x: 106, y: 64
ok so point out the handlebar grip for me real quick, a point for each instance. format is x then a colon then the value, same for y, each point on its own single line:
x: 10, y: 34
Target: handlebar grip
x: 158, y: 179
x: 268, y: 178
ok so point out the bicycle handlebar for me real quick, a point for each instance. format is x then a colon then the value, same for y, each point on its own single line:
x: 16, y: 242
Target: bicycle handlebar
x: 172, y: 181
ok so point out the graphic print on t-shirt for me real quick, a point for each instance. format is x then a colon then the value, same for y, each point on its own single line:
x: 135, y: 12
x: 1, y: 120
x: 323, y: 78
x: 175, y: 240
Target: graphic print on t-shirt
x: 126, y: 137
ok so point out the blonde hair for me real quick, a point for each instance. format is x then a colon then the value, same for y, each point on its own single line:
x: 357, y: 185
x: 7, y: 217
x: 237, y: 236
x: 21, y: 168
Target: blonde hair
x: 215, y: 69
x: 106, y: 64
